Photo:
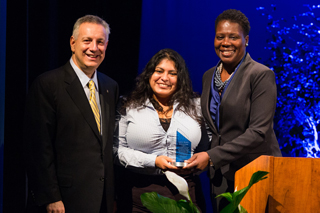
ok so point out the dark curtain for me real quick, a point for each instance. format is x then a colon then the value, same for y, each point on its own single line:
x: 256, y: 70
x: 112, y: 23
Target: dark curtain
x: 3, y: 16
x: 37, y: 40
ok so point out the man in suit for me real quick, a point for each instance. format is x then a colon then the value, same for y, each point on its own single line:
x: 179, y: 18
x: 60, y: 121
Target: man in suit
x: 238, y: 102
x: 69, y: 124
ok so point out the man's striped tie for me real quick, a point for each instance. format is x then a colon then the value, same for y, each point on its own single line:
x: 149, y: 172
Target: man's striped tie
x: 93, y: 103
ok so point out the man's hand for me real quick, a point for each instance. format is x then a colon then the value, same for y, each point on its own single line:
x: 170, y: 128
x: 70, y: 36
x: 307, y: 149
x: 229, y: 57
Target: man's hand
x: 56, y: 207
x: 198, y: 161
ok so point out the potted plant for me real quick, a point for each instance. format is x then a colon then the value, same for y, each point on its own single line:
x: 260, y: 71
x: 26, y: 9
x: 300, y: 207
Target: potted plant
x: 160, y: 204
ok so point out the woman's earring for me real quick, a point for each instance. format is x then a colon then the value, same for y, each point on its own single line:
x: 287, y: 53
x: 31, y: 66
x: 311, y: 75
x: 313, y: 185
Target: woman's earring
x: 247, y: 44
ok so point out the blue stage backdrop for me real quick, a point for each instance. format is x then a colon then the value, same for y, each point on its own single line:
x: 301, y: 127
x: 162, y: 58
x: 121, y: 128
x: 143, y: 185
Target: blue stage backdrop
x: 294, y: 42
x: 284, y: 36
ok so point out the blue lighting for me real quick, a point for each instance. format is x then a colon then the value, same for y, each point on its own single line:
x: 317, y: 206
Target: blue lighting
x: 295, y: 59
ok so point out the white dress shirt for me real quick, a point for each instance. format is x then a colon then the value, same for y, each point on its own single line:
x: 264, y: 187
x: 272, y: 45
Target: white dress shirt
x: 142, y: 138
x: 84, y: 79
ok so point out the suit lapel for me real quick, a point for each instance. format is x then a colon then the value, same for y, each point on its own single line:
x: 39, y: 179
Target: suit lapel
x: 76, y: 92
x: 235, y: 82
x: 105, y: 111
x: 206, y: 100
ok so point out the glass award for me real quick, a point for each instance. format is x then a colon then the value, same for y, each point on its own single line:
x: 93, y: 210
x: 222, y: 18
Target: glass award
x: 183, y: 150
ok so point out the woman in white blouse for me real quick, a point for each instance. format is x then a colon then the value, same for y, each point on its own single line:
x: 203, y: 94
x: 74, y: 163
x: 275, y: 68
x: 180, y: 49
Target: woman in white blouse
x: 162, y: 106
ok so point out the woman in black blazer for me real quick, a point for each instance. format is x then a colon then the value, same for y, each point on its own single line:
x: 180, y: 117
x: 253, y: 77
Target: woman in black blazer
x: 238, y: 102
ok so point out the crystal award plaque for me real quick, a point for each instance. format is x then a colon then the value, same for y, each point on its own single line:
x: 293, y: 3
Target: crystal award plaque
x: 183, y: 150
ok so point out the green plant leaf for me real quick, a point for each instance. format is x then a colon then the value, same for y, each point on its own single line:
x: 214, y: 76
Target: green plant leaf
x: 227, y: 195
x: 159, y: 204
x: 190, y: 207
x: 228, y: 209
x: 236, y: 197
x: 257, y: 176
x: 242, y: 210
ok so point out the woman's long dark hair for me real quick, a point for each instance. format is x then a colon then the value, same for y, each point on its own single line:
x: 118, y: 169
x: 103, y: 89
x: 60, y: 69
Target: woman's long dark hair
x: 183, y: 95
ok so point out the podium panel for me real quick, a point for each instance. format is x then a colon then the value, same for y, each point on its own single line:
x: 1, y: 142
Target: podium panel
x: 293, y: 185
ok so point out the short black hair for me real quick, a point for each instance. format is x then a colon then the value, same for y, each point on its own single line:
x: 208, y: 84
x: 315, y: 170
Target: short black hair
x: 235, y: 16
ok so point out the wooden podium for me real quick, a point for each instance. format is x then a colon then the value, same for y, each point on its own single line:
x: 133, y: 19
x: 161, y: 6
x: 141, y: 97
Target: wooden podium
x: 293, y: 185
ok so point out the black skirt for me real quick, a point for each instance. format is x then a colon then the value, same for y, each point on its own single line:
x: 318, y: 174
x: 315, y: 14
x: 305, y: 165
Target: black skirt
x: 130, y: 186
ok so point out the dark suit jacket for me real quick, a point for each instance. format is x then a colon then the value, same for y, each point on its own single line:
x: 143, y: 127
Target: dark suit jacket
x: 246, y: 117
x: 67, y: 159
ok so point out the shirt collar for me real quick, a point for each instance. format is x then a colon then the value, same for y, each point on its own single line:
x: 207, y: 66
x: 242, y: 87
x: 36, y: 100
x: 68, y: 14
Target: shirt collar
x: 84, y: 79
x: 150, y: 105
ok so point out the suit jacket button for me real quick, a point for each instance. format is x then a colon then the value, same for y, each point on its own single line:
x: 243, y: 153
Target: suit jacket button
x: 102, y: 179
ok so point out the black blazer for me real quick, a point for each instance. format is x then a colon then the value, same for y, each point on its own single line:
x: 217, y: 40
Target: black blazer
x: 67, y: 159
x: 246, y: 117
